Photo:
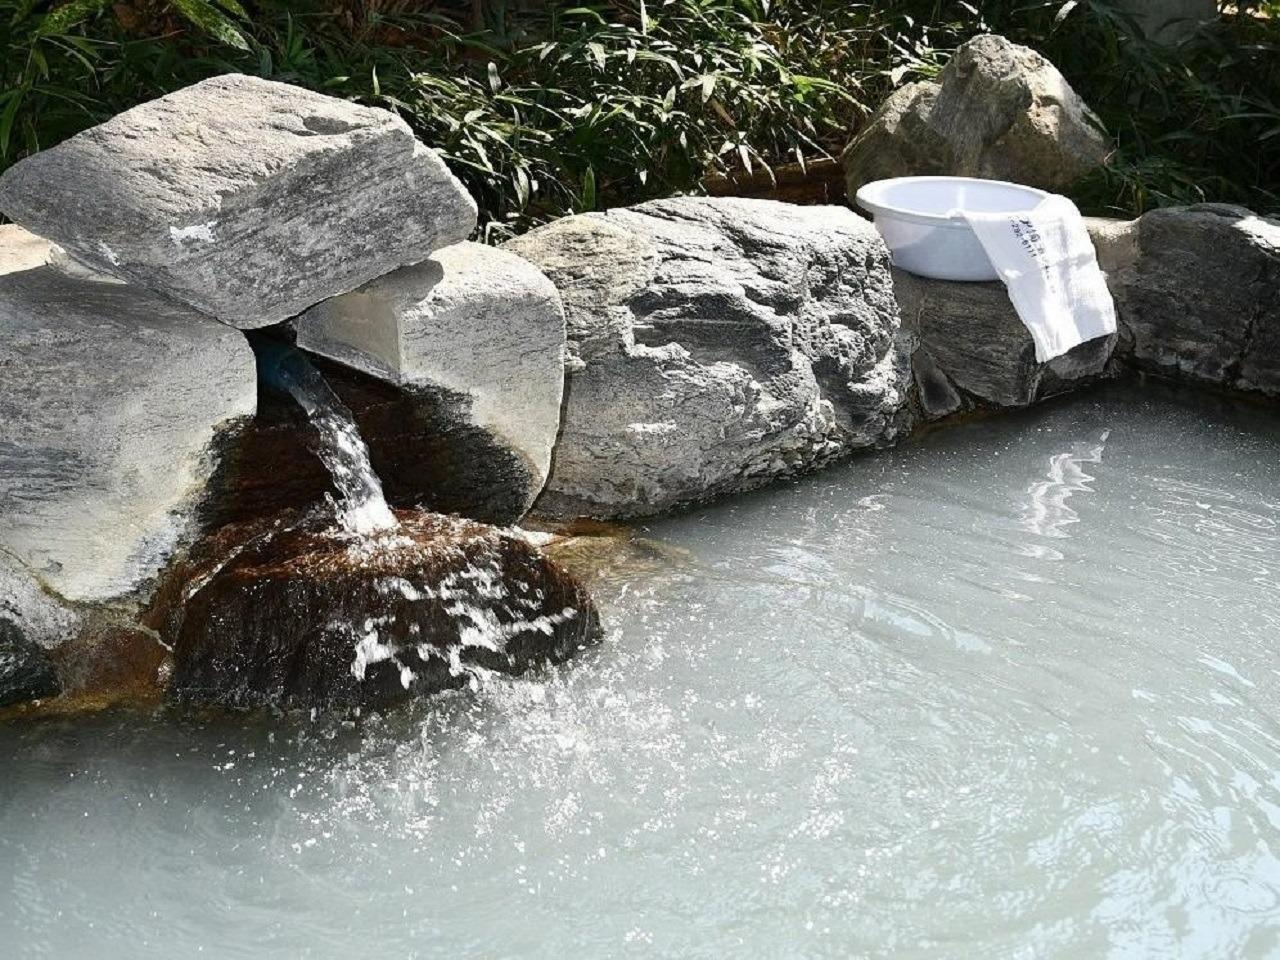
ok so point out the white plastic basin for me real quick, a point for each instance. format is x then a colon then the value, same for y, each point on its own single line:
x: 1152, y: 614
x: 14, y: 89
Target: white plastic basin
x: 921, y: 222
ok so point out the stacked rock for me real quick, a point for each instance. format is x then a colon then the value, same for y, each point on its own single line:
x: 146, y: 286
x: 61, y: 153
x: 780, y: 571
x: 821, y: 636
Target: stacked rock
x: 127, y: 389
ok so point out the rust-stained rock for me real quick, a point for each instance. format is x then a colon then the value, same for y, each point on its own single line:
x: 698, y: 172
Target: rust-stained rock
x: 420, y: 445
x: 288, y: 612
x: 113, y: 660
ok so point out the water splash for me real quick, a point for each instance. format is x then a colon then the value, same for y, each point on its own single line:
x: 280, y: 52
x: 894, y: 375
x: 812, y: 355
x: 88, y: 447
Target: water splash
x: 362, y: 508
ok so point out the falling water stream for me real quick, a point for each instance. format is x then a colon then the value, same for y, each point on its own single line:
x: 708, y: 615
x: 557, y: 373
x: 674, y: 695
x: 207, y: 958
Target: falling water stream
x: 362, y: 508
x: 1010, y: 691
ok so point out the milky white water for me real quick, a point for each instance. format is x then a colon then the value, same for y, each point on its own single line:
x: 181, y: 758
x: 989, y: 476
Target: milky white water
x: 1010, y: 691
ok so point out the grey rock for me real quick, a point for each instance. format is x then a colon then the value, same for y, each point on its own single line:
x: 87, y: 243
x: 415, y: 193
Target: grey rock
x: 30, y: 610
x: 26, y: 672
x: 472, y: 321
x: 1197, y: 291
x: 999, y: 111
x: 972, y: 342
x: 715, y: 344
x: 113, y: 406
x: 31, y: 624
x: 248, y: 199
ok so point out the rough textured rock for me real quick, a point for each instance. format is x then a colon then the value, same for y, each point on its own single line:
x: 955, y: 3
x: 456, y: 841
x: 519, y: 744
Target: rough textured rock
x: 474, y: 323
x: 1197, y: 290
x: 248, y: 199
x: 31, y: 624
x: 715, y: 344
x: 999, y: 111
x: 113, y: 404
x: 285, y: 612
x: 26, y: 672
x: 1170, y: 21
x: 971, y: 346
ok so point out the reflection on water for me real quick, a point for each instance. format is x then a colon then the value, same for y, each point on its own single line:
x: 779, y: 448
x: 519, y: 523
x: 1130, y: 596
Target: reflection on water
x: 849, y: 717
x: 1047, y: 513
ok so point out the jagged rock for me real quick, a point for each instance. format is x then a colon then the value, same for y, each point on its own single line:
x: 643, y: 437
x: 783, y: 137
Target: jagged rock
x: 248, y: 199
x: 31, y: 624
x: 113, y: 406
x: 1170, y: 21
x: 715, y: 344
x: 287, y: 612
x: 999, y: 111
x: 1197, y: 292
x: 972, y: 342
x: 26, y: 672
x: 474, y: 331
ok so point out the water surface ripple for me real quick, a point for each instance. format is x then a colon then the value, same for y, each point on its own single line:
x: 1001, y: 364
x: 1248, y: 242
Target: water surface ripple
x: 1006, y: 692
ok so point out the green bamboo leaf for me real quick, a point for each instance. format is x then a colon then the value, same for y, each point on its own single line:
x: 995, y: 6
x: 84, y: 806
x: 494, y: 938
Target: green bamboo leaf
x: 589, y: 189
x: 14, y: 100
x: 205, y: 16
x: 68, y: 15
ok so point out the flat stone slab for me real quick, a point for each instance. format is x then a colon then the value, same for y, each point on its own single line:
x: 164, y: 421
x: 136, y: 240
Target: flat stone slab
x: 970, y: 341
x: 248, y: 199
x: 113, y: 403
x: 715, y: 344
x: 473, y: 322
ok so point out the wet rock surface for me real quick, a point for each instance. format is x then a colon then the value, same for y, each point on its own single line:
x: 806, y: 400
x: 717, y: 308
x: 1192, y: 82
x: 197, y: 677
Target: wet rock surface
x: 477, y: 325
x: 26, y: 672
x: 1197, y: 291
x: 248, y: 199
x: 715, y: 344
x: 972, y: 348
x: 422, y: 444
x: 114, y: 408
x: 285, y: 612
x: 999, y: 111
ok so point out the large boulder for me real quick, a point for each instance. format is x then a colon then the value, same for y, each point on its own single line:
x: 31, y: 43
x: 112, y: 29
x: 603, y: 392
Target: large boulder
x: 474, y: 332
x: 288, y: 612
x: 972, y: 349
x: 248, y: 199
x: 999, y: 111
x: 114, y: 407
x: 1197, y: 292
x: 715, y: 344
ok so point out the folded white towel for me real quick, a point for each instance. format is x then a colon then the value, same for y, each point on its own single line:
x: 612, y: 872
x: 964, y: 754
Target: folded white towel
x: 1046, y: 259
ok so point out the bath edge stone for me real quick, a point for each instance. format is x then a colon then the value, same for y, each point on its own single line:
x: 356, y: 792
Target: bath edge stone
x: 714, y: 345
x: 972, y: 343
x: 1197, y: 291
x: 100, y: 483
x: 479, y: 323
x: 247, y: 199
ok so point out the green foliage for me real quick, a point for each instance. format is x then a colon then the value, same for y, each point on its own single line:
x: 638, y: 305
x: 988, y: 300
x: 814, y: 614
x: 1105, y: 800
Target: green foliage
x: 560, y: 106
x: 1192, y: 123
